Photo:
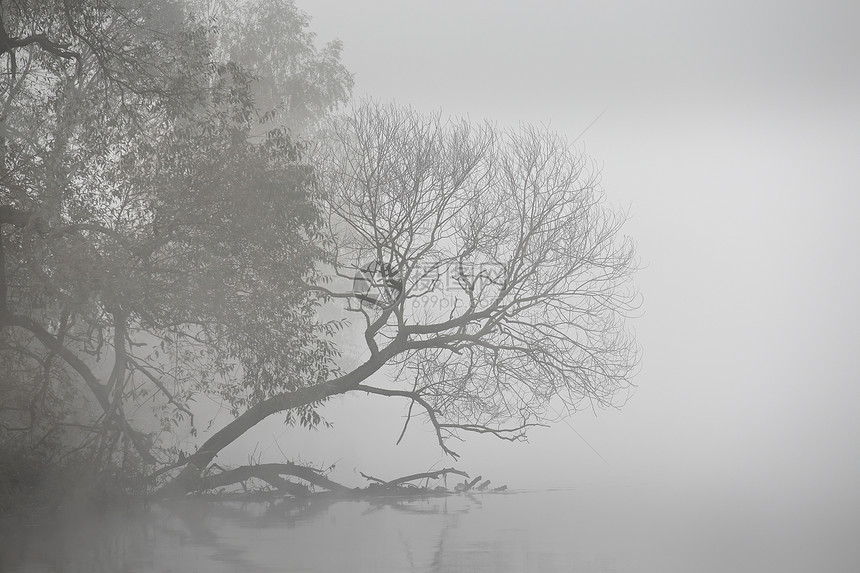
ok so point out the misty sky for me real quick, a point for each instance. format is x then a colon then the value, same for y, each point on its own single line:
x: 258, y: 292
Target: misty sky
x: 731, y: 133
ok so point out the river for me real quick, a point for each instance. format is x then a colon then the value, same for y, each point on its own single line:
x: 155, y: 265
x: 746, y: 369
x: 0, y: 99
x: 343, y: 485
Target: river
x: 517, y: 532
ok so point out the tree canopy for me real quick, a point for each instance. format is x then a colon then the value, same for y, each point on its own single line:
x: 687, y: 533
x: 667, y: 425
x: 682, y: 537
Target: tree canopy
x: 513, y: 281
x: 154, y: 238
x: 163, y: 234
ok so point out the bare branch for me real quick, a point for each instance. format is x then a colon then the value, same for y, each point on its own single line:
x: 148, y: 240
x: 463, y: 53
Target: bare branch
x: 413, y: 477
x: 92, y: 382
x: 154, y: 379
x: 271, y: 473
x: 415, y: 397
x: 516, y: 280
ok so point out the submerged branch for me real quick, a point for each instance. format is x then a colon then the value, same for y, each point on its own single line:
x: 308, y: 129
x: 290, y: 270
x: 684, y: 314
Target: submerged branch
x: 272, y: 473
x: 413, y: 477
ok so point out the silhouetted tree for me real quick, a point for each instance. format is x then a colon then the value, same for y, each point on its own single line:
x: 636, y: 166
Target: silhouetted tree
x: 502, y: 281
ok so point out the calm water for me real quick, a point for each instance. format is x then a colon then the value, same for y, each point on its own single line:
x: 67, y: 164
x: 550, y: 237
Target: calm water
x: 548, y: 531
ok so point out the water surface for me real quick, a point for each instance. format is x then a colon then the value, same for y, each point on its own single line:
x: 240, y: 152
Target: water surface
x: 516, y: 532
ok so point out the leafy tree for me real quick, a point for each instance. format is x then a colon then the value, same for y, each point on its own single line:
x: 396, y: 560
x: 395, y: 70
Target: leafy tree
x: 295, y: 83
x: 152, y: 241
x: 79, y: 78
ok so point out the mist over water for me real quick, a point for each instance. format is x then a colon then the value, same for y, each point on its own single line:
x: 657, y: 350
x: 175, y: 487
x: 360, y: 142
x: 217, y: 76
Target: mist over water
x: 731, y: 134
x: 614, y: 528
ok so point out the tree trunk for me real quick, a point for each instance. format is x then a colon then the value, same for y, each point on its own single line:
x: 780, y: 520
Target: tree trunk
x: 191, y: 477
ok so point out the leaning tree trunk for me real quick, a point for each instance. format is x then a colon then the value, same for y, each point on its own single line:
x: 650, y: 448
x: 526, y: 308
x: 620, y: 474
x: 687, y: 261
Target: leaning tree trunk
x: 190, y: 478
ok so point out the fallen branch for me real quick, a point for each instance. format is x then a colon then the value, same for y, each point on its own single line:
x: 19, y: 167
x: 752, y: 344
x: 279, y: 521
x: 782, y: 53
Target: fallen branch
x: 472, y: 483
x: 271, y: 473
x: 371, y: 478
x: 424, y: 475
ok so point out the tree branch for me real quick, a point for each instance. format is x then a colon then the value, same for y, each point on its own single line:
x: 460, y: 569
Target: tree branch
x: 431, y: 412
x: 16, y: 217
x: 413, y: 477
x: 97, y: 389
x: 152, y: 378
x: 271, y: 473
x: 9, y: 44
x: 189, y: 478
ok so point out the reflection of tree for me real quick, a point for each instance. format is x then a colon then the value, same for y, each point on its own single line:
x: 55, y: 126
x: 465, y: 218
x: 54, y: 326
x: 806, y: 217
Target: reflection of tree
x: 73, y: 540
x: 223, y: 532
x: 439, y: 506
x: 198, y: 516
x: 439, y: 552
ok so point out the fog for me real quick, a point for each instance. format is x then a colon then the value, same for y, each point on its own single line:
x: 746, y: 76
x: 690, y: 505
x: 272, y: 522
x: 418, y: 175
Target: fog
x: 731, y: 135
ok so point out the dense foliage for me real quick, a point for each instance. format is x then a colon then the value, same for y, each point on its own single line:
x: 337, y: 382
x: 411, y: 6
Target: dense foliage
x: 157, y: 227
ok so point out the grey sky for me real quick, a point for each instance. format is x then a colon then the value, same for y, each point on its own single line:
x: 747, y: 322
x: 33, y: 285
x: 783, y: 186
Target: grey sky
x: 732, y: 134
x: 558, y: 54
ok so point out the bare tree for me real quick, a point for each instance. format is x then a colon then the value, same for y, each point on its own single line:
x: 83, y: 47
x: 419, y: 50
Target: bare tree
x: 514, y: 275
x: 484, y: 267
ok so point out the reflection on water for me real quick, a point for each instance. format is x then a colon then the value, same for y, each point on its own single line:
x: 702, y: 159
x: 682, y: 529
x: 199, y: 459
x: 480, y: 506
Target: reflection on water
x: 549, y: 531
